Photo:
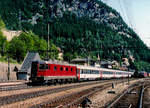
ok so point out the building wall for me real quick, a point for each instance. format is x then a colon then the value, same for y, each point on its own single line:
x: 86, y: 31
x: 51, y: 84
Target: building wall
x: 4, y: 71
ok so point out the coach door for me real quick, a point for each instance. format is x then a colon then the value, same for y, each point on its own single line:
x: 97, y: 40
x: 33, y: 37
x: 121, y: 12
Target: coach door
x: 78, y: 74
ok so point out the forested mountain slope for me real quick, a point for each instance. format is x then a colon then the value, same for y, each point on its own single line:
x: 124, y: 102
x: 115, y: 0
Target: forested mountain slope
x: 78, y: 27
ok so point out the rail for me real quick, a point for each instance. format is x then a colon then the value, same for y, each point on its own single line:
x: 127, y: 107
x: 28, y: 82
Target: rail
x: 128, y: 92
x: 141, y: 97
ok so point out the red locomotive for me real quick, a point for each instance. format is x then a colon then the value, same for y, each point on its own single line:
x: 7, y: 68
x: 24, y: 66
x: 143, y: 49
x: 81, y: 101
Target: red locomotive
x: 42, y: 71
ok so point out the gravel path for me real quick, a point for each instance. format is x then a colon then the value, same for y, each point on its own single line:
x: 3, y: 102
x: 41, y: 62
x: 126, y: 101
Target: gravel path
x: 12, y: 83
x: 101, y: 98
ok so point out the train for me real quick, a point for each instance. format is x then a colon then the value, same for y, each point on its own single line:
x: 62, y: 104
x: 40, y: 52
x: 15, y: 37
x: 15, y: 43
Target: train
x: 44, y: 71
x: 140, y: 74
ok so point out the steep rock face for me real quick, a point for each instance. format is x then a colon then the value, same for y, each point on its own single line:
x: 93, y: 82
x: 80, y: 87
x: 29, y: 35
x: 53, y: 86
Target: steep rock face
x: 89, y: 9
x: 92, y: 9
x: 30, y: 11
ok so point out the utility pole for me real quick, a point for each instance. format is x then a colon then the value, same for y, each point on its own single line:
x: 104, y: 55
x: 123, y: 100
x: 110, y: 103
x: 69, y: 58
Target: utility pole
x: 20, y: 19
x: 3, y: 48
x: 128, y: 78
x: 8, y: 73
x: 48, y: 42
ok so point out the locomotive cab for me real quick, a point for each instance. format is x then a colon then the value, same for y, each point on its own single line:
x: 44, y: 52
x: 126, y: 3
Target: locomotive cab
x: 34, y: 68
x: 34, y: 72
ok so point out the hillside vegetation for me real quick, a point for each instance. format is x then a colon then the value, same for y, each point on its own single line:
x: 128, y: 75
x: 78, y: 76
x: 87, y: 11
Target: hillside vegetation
x: 18, y: 47
x: 80, y: 28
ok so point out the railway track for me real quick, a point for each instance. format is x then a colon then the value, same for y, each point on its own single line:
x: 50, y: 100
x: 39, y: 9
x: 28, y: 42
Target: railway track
x: 23, y: 96
x: 29, y: 95
x: 130, y: 98
x: 73, y: 100
x: 10, y: 87
x: 19, y: 86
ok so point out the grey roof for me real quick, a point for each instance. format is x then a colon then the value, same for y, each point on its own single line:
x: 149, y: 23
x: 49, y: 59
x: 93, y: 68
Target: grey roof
x: 26, y: 65
x: 79, y: 60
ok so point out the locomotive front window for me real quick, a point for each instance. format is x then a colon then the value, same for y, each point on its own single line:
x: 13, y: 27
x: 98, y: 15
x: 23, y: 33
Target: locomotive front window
x: 71, y: 69
x: 43, y: 66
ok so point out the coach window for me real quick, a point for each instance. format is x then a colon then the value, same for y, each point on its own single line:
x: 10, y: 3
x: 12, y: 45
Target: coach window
x: 61, y: 68
x: 97, y: 72
x: 84, y: 71
x: 87, y: 71
x: 55, y: 68
x: 81, y: 71
x: 91, y: 71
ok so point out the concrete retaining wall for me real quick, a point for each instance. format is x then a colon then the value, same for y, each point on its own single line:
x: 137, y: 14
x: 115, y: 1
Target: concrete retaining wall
x: 4, y: 71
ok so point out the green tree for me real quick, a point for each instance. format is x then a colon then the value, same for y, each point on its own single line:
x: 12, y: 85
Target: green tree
x: 2, y: 24
x: 17, y: 49
x: 28, y: 41
x: 3, y: 40
x: 3, y: 45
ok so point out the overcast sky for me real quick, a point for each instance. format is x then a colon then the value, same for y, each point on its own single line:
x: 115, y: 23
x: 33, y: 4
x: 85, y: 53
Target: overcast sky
x: 137, y: 12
